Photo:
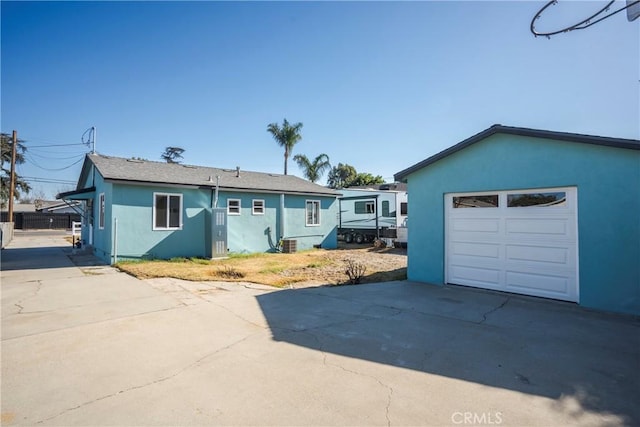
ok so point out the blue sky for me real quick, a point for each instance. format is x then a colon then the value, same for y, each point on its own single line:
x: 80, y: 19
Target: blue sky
x: 378, y: 85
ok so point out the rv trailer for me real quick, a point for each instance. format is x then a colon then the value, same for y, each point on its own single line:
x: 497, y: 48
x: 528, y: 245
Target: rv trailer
x: 380, y: 212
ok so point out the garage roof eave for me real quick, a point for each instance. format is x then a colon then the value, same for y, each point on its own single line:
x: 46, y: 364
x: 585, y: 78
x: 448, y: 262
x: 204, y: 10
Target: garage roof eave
x: 84, y: 194
x: 631, y: 144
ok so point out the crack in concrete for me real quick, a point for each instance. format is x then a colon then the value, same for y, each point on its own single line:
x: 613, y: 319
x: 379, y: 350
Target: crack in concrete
x: 376, y: 379
x: 493, y: 310
x: 159, y: 380
x: 33, y: 295
x: 92, y: 323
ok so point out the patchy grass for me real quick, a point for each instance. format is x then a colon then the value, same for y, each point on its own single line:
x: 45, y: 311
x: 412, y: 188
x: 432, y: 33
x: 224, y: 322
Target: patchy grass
x: 276, y: 269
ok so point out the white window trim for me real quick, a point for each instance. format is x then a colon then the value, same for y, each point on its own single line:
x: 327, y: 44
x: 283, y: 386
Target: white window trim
x: 306, y: 217
x: 102, y: 211
x: 153, y: 218
x: 253, y: 207
x: 239, y: 207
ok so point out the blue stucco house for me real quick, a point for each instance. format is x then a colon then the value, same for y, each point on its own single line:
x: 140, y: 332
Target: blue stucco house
x: 534, y: 212
x: 136, y: 209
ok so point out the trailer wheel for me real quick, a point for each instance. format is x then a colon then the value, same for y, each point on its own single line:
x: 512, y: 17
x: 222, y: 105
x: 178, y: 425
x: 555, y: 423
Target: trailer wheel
x: 348, y: 238
x: 359, y: 238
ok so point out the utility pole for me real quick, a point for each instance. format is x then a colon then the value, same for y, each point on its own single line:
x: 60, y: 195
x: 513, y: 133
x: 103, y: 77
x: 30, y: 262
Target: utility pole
x: 12, y: 182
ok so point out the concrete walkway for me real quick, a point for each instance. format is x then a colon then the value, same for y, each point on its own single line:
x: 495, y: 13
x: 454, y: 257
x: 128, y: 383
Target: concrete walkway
x: 91, y: 346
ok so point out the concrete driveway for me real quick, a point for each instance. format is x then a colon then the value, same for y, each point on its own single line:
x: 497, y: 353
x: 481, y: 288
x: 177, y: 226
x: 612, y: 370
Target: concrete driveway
x: 91, y: 346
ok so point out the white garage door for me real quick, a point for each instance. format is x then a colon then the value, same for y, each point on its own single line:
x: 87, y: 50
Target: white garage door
x: 522, y: 241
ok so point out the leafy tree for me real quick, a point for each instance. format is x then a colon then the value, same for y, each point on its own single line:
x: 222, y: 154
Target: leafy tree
x: 340, y: 176
x: 312, y: 170
x: 286, y: 136
x: 364, y: 178
x: 172, y: 154
x: 344, y: 175
x: 6, y: 142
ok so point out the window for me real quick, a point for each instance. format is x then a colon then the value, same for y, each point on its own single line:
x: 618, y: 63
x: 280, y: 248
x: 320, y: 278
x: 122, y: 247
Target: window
x: 258, y: 207
x: 385, y: 209
x: 313, y: 212
x: 365, y: 207
x: 485, y: 201
x: 233, y: 206
x: 101, y: 213
x: 404, y: 208
x: 167, y: 211
x: 536, y: 199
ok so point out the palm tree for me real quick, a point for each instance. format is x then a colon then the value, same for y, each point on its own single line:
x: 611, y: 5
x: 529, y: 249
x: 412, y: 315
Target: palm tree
x: 286, y: 136
x: 312, y: 170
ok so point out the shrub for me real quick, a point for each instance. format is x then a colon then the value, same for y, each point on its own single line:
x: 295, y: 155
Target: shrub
x: 354, y: 271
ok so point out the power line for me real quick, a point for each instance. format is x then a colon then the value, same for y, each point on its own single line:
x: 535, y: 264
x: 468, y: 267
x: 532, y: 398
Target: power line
x: 47, y: 180
x: 28, y: 156
x: 74, y: 156
x: 53, y: 145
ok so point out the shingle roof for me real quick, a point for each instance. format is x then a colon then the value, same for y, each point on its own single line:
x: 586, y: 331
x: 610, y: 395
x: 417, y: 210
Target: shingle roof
x: 632, y: 144
x: 120, y: 169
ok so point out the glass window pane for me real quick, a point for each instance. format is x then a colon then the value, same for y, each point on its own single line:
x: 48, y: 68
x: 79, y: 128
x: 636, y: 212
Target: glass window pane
x: 489, y: 201
x: 360, y: 207
x: 102, y: 209
x: 313, y: 212
x: 403, y: 208
x: 161, y: 211
x: 371, y: 207
x: 385, y: 208
x: 233, y: 206
x: 258, y: 207
x: 174, y: 211
x: 536, y: 199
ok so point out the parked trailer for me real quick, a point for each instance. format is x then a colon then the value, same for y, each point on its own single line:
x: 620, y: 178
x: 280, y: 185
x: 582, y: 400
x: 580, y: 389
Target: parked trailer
x: 369, y: 214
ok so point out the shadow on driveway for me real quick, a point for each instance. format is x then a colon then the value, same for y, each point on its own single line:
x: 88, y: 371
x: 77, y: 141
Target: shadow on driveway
x: 585, y: 361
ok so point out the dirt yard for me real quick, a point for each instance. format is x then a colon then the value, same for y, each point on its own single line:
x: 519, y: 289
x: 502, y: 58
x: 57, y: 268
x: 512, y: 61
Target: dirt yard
x: 306, y: 268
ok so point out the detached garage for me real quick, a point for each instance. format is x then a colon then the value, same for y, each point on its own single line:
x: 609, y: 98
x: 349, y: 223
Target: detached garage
x: 533, y: 212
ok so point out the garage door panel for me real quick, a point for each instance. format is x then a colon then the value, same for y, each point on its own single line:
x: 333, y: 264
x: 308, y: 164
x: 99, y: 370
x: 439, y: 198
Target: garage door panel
x: 465, y: 274
x: 476, y: 249
x: 528, y: 250
x: 537, y: 284
x: 538, y: 254
x: 539, y: 226
x: 476, y: 225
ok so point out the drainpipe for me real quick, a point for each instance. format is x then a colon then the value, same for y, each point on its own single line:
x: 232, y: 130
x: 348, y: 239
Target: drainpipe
x: 215, y: 200
x: 282, y: 216
x: 115, y: 241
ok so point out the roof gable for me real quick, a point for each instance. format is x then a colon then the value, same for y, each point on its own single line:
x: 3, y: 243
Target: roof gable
x: 148, y: 172
x: 631, y: 144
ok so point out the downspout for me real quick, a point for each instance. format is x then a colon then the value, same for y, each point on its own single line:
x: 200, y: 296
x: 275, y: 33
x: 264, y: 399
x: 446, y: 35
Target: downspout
x: 115, y: 241
x: 215, y: 200
x: 281, y: 216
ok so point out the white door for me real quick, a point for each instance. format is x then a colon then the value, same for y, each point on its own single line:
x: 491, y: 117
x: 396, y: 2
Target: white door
x: 521, y: 241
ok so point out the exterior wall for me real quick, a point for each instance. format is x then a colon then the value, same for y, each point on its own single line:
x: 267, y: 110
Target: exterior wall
x: 135, y: 238
x: 102, y: 243
x: 132, y: 206
x: 608, y: 207
x: 260, y: 233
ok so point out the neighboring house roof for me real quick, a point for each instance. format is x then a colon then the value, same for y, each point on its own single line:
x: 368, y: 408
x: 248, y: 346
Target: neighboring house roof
x: 148, y: 172
x: 392, y: 186
x: 632, y: 144
x: 21, y: 207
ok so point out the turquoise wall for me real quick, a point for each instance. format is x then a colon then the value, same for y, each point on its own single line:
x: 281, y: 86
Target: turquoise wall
x: 136, y: 238
x: 102, y: 242
x: 132, y: 206
x: 258, y: 233
x: 608, y: 182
